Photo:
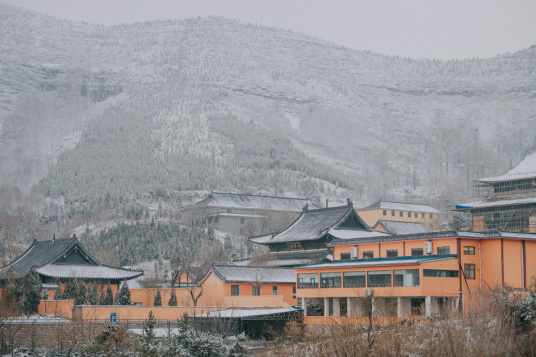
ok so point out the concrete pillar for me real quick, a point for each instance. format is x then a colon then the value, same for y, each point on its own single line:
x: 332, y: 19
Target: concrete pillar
x: 403, y: 306
x: 304, y: 306
x: 428, y: 306
x: 336, y: 307
x: 326, y: 306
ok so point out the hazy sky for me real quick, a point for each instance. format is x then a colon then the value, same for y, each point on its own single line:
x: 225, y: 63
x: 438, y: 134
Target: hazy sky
x: 414, y: 28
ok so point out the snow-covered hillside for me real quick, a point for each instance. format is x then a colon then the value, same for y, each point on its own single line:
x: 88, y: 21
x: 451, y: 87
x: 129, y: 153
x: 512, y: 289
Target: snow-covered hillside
x: 210, y: 103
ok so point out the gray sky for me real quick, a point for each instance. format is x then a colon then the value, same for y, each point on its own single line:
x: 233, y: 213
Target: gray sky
x: 414, y: 28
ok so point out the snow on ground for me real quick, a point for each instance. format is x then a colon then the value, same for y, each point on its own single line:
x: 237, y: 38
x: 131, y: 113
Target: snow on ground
x: 37, y: 319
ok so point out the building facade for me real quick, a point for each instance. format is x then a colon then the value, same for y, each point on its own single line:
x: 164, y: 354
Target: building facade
x: 401, y: 212
x: 414, y: 275
x: 242, y: 214
x: 510, y: 202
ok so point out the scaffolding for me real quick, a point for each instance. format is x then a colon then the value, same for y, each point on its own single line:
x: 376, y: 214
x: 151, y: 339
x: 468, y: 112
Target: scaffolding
x: 505, y: 203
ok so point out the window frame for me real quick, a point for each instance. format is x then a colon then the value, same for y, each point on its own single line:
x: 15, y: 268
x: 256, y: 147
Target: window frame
x: 446, y: 247
x: 255, y: 290
x: 235, y: 290
x: 417, y: 250
x: 469, y: 271
x: 385, y: 212
x: 469, y: 250
x: 368, y: 252
x: 390, y: 253
x: 274, y: 290
x: 346, y: 256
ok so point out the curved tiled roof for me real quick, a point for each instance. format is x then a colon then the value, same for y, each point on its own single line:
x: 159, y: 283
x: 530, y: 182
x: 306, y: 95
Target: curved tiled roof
x: 73, y: 271
x: 240, y: 274
x: 396, y: 227
x: 48, y: 258
x: 524, y: 170
x: 310, y: 225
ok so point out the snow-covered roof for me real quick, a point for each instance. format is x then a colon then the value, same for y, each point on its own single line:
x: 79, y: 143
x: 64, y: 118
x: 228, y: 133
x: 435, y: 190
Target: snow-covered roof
x: 223, y: 214
x: 73, y: 271
x: 380, y: 262
x: 275, y: 263
x: 64, y: 258
x: 437, y: 235
x: 354, y: 233
x: 396, y: 227
x: 524, y: 170
x: 241, y: 313
x: 401, y: 206
x: 484, y: 204
x: 241, y: 274
x: 312, y: 225
x: 235, y: 200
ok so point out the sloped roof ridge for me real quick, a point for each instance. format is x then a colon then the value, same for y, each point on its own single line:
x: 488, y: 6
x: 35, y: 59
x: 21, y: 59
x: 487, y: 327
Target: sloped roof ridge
x: 377, y: 204
x: 334, y: 208
x: 268, y: 196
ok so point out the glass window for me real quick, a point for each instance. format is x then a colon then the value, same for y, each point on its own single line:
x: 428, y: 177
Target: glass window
x: 256, y: 290
x: 422, y: 215
x: 416, y: 252
x: 209, y: 220
x: 409, y: 277
x: 354, y: 279
x: 379, y: 278
x: 392, y: 253
x: 307, y: 281
x: 368, y: 255
x: 330, y: 280
x: 469, y: 250
x: 274, y: 290
x: 440, y: 273
x: 345, y: 256
x: 443, y: 250
x: 431, y: 215
x: 242, y: 220
x: 385, y: 212
x: 416, y: 215
x: 215, y: 219
x: 393, y: 213
x: 469, y: 270
x: 401, y: 214
x: 235, y: 290
x: 409, y: 214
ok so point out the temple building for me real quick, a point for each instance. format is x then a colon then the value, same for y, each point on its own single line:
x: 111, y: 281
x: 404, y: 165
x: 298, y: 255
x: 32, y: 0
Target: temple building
x: 510, y: 200
x: 62, y: 260
x: 306, y: 240
x: 243, y: 214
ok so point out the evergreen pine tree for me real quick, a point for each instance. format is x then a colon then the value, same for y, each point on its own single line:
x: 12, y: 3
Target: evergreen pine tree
x: 71, y: 291
x: 123, y: 295
x: 58, y: 293
x: 102, y: 296
x: 81, y: 293
x: 158, y: 298
x: 92, y: 295
x: 173, y: 298
x: 32, y: 292
x: 109, y: 297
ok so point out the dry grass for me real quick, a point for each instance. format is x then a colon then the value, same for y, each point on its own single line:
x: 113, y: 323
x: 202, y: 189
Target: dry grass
x: 490, y: 328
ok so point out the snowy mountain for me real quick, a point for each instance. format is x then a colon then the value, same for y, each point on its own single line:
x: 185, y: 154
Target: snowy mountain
x: 91, y: 113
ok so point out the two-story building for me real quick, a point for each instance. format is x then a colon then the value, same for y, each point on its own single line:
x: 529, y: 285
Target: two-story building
x: 401, y: 212
x: 413, y: 275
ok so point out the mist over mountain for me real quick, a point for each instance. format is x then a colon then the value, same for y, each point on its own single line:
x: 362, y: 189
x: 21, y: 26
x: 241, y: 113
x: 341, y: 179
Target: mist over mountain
x: 97, y: 114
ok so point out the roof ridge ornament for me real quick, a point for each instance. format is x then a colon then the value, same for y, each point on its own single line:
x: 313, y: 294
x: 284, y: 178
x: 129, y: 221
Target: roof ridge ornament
x: 349, y: 202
